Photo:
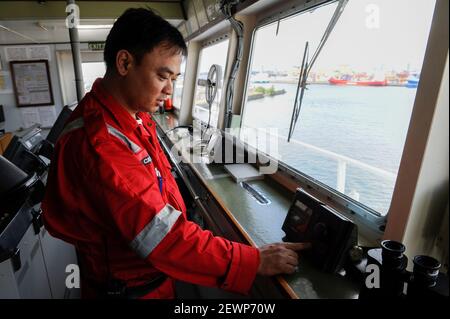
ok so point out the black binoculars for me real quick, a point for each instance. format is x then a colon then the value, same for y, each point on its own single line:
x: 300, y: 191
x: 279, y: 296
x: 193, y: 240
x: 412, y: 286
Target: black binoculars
x: 386, y: 274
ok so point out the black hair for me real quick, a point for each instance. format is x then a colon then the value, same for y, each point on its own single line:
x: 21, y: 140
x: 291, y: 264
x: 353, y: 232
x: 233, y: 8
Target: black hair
x: 139, y: 31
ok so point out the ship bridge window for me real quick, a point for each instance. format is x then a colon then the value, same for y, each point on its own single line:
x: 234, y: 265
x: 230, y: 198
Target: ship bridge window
x: 214, y: 54
x: 358, y: 100
x: 178, y: 86
x: 92, y: 71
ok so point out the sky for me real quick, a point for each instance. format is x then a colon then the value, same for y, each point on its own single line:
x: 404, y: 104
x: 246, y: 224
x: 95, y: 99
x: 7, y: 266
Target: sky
x: 370, y: 34
x: 215, y: 54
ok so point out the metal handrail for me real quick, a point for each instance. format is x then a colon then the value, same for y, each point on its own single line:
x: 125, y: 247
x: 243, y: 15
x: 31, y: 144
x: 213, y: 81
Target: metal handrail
x: 336, y: 156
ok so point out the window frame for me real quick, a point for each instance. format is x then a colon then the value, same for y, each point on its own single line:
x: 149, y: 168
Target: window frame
x: 205, y: 44
x: 372, y: 222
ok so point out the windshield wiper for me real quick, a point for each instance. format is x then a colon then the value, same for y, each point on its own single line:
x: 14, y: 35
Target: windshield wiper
x: 307, y: 66
x: 301, y: 86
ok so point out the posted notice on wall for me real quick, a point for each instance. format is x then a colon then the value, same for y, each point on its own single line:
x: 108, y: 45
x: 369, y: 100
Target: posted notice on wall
x: 5, y: 82
x: 45, y: 116
x: 20, y: 53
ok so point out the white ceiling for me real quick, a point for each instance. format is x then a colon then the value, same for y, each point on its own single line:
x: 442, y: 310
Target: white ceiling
x: 53, y: 31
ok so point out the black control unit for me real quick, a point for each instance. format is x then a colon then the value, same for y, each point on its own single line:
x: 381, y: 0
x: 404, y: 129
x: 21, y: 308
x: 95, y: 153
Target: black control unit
x: 330, y: 233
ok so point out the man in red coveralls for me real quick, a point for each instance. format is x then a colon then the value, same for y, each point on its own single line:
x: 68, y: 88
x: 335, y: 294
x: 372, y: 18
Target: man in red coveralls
x: 110, y: 191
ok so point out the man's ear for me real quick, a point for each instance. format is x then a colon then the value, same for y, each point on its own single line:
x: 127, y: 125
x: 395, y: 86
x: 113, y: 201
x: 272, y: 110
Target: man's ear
x: 124, y: 60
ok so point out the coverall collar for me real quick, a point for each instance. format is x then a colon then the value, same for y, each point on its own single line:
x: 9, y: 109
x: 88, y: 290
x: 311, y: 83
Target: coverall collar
x: 121, y: 116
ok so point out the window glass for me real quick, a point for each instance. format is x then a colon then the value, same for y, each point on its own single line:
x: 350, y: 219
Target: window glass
x: 92, y: 71
x: 178, y: 86
x: 360, y: 93
x: 214, y: 54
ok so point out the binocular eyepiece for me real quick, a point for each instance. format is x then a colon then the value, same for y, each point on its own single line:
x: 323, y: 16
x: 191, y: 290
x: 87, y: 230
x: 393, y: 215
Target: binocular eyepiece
x: 392, y: 255
x: 425, y: 277
x: 426, y: 270
x: 395, y: 281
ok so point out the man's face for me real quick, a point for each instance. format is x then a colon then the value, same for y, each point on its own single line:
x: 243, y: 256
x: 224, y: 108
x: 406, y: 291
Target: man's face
x: 150, y: 82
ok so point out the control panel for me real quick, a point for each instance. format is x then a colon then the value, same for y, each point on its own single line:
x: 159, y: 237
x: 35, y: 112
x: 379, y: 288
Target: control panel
x: 331, y: 234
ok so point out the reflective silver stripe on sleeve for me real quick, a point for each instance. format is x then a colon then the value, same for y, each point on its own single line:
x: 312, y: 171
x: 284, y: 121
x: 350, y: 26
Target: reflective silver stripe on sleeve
x: 75, y: 124
x: 155, y: 231
x: 131, y: 145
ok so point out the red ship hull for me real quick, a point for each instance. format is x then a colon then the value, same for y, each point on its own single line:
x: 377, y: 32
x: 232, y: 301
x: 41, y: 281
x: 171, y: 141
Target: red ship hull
x: 371, y: 83
x: 335, y: 81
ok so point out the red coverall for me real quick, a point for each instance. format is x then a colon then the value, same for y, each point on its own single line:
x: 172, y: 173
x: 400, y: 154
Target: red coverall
x: 104, y: 195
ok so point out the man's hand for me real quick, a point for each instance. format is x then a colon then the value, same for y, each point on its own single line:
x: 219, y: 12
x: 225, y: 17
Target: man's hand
x: 279, y: 258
